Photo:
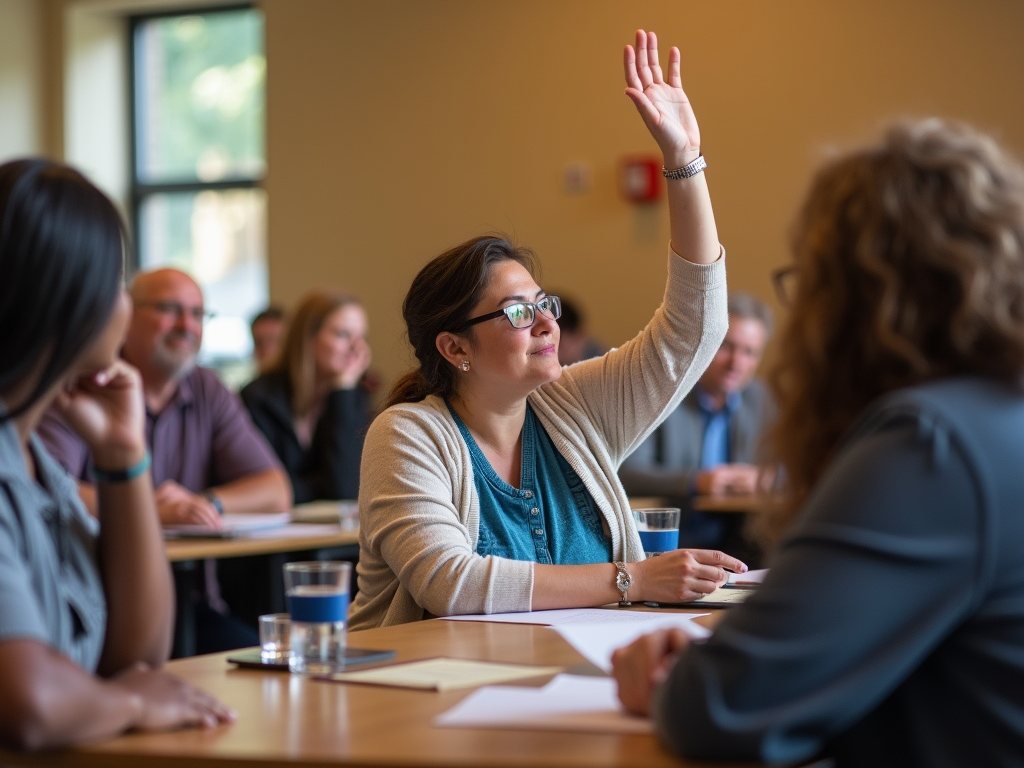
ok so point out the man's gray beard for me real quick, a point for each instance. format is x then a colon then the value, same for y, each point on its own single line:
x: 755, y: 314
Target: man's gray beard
x: 176, y: 368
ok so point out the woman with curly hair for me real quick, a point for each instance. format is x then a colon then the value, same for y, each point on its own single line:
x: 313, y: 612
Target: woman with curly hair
x: 890, y: 629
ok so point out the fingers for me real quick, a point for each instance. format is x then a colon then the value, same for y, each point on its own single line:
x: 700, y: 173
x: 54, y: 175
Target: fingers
x: 718, y: 559
x: 198, y: 512
x: 643, y: 62
x: 674, y: 78
x: 206, y: 711
x: 640, y: 666
x: 652, y: 58
x: 629, y: 63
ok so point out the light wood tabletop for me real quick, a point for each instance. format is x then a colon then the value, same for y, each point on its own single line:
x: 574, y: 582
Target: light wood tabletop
x: 291, y: 538
x: 287, y: 720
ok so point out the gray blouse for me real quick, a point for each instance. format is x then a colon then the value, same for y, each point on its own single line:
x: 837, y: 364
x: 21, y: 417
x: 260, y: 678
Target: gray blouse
x: 50, y: 588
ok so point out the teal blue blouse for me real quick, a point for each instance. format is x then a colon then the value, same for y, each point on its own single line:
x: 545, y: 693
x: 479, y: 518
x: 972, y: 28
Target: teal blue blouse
x: 551, y: 518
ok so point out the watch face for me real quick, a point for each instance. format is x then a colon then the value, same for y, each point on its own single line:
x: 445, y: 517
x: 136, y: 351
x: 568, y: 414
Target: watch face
x: 622, y: 581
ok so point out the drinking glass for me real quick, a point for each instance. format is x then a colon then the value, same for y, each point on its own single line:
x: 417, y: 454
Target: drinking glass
x: 658, y: 529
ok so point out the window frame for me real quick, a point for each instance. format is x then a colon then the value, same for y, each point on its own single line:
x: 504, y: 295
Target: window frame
x: 139, y: 191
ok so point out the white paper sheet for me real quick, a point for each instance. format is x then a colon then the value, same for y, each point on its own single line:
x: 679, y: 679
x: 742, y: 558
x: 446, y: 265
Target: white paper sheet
x: 568, y: 616
x: 235, y: 524
x: 293, y: 531
x: 597, y: 642
x: 749, y: 578
x: 567, y: 703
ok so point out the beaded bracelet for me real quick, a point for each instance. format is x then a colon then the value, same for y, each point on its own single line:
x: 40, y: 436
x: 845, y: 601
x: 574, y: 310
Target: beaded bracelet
x: 121, y: 475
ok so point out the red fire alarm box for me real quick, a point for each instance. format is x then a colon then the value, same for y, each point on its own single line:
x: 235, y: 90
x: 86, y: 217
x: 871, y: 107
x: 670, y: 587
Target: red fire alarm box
x: 640, y: 179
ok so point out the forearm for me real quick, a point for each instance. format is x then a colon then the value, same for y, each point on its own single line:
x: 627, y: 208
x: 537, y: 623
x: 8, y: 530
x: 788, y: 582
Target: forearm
x: 267, y: 491
x: 573, y: 586
x: 691, y: 218
x: 136, y: 576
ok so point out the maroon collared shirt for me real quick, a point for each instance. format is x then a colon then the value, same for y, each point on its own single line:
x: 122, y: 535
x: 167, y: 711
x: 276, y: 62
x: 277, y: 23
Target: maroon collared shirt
x: 202, y: 438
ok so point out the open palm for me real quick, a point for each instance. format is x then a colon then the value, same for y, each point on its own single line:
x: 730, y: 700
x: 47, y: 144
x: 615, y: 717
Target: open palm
x: 662, y: 104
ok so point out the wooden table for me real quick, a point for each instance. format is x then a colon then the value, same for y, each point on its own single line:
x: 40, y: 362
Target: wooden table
x: 185, y: 555
x: 288, y: 721
x: 184, y: 550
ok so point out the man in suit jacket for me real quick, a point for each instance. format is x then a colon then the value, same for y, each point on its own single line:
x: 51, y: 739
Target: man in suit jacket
x: 709, y: 444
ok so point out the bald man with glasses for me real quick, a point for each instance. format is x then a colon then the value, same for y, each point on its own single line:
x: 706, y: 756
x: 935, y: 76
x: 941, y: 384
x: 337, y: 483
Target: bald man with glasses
x: 208, y: 458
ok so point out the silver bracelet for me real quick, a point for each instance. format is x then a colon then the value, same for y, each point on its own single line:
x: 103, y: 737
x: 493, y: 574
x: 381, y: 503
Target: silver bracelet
x: 688, y: 170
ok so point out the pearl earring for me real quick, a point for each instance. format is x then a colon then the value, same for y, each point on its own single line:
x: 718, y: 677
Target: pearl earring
x: 464, y: 365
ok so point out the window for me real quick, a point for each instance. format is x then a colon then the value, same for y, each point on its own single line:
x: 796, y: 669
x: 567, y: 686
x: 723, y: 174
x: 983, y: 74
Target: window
x: 198, y: 159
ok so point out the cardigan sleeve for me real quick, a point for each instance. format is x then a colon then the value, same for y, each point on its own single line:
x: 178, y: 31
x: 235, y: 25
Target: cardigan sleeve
x: 627, y: 392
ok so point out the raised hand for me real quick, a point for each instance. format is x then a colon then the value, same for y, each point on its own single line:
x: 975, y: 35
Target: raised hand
x: 662, y: 104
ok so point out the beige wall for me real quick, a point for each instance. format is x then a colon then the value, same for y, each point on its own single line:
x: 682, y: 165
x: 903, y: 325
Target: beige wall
x: 21, y: 78
x: 399, y: 127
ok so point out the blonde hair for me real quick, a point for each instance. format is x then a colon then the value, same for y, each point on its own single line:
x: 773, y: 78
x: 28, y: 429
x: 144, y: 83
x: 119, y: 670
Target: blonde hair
x: 297, y: 360
x: 910, y: 267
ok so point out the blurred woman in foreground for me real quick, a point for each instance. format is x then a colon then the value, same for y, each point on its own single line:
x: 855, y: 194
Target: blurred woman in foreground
x: 86, y: 612
x: 890, y: 628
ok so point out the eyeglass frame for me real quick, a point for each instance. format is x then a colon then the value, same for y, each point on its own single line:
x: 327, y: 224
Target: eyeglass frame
x: 779, y: 277
x: 506, y: 311
x: 199, y: 314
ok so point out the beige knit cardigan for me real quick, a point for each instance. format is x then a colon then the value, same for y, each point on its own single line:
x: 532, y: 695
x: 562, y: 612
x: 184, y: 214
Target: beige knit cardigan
x: 419, y: 514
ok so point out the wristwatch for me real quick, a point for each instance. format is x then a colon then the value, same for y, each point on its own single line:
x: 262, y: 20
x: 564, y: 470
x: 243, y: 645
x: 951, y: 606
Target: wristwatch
x: 218, y: 505
x: 622, y: 582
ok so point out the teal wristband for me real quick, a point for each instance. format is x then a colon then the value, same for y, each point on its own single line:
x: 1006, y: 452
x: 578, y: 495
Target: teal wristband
x: 121, y: 475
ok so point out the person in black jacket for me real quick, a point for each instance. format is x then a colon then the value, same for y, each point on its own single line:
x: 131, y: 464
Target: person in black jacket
x: 310, y: 405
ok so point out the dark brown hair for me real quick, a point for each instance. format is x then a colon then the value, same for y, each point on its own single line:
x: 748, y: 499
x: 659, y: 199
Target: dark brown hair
x: 909, y: 260
x: 440, y: 299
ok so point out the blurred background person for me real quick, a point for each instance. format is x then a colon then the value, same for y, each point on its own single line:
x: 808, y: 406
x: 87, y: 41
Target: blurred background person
x: 709, y: 444
x: 86, y: 607
x: 576, y: 342
x: 311, y: 405
x: 890, y: 627
x: 267, y: 329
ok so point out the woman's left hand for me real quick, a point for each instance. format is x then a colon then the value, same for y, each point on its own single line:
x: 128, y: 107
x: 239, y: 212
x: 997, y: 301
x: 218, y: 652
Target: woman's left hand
x: 641, y: 665
x: 106, y: 409
x: 664, y: 107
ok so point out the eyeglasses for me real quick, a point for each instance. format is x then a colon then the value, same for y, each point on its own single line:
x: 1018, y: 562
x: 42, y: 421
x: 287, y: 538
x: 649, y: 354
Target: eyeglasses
x: 784, y: 280
x: 176, y: 309
x: 524, y: 314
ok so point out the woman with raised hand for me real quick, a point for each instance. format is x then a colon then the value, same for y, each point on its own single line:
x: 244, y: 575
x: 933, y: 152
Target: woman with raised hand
x: 490, y: 483
x: 890, y: 628
x: 86, y: 611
